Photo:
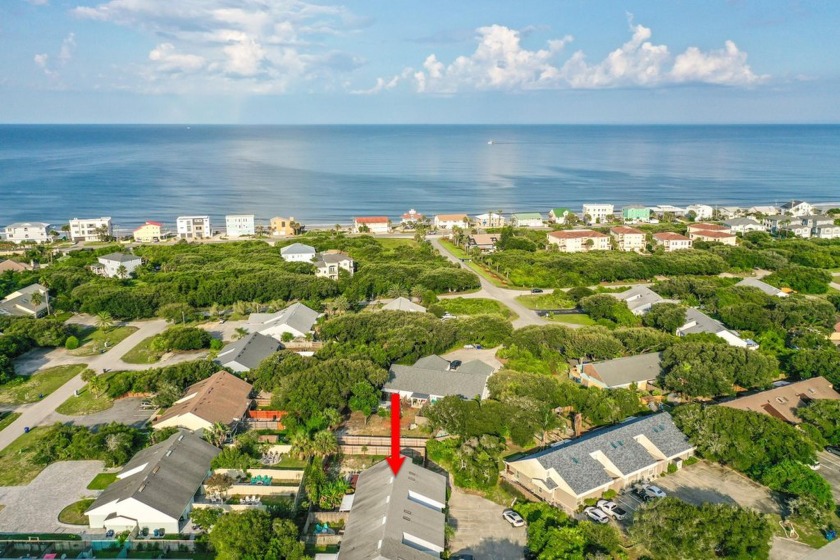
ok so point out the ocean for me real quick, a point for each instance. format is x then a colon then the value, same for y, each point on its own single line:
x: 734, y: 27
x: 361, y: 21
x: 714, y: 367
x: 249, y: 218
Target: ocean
x: 324, y: 175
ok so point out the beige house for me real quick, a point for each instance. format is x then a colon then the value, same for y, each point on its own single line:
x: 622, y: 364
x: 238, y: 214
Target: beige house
x: 579, y: 240
x: 449, y: 221
x: 598, y: 213
x: 610, y: 459
x: 714, y: 236
x: 490, y: 219
x: 620, y: 373
x: 14, y: 266
x: 672, y: 241
x: 222, y: 397
x: 628, y: 238
x: 329, y: 263
x: 486, y: 242
x: 150, y: 232
x: 281, y: 227
x: 783, y: 401
x: 373, y: 224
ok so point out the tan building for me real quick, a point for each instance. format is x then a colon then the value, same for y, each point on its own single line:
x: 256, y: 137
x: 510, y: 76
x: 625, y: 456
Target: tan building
x: 373, y: 224
x: 628, y: 238
x: 579, y: 240
x: 486, y: 242
x: 14, y: 266
x: 700, y: 226
x: 672, y: 241
x: 449, y: 221
x: 610, y: 459
x: 150, y: 232
x: 222, y: 397
x: 620, y: 373
x: 281, y: 227
x: 782, y: 402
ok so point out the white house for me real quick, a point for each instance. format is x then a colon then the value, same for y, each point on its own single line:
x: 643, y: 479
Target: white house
x: 640, y: 299
x: 297, y: 252
x: 598, y: 213
x: 743, y: 225
x: 90, y: 229
x: 373, y: 224
x: 663, y: 209
x: 24, y: 232
x: 764, y: 210
x: 701, y: 211
x: 156, y: 488
x: 671, y: 241
x: 449, y: 221
x: 579, y: 240
x: 763, y: 286
x: 20, y: 302
x: 797, y: 208
x: 109, y: 265
x: 411, y: 217
x: 403, y: 304
x: 698, y: 322
x: 239, y: 225
x: 558, y: 215
x: 527, y: 219
x: 193, y: 227
x: 297, y: 320
x: 490, y: 219
x: 329, y: 263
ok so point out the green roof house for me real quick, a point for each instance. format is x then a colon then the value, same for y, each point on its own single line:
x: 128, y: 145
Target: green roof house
x: 527, y: 219
x: 558, y: 215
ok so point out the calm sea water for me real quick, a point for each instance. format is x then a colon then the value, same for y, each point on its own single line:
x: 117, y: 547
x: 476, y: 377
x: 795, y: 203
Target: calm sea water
x: 328, y: 174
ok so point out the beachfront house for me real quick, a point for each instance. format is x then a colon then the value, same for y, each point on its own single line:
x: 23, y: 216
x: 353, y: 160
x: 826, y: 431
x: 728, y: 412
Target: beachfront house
x: 786, y: 398
x: 330, y: 263
x: 727, y: 212
x: 822, y: 226
x: 763, y: 210
x: 248, y: 352
x: 635, y: 213
x: 526, y: 219
x: 698, y: 322
x: 558, y: 215
x: 31, y: 301
x: 449, y: 221
x: 763, y: 286
x: 28, y: 232
x: 598, y: 213
x: 282, y: 227
x: 640, y: 299
x: 431, y: 378
x: 297, y: 252
x: 396, y: 517
x: 612, y: 458
x: 701, y: 211
x: 797, y: 208
x: 489, y: 220
x: 297, y: 320
x: 638, y: 371
x: 156, y: 488
x: 485, y: 242
x: 150, y: 232
x: 628, y: 238
x: 221, y: 398
x: 579, y: 241
x: 787, y: 226
x: 669, y: 209
x: 743, y: 225
x: 411, y: 218
x: 90, y: 229
x: 371, y: 224
x: 671, y: 241
x: 239, y: 225
x: 193, y: 227
x: 117, y: 265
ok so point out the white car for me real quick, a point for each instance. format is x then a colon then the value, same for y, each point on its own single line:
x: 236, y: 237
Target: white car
x: 651, y: 491
x: 611, y: 508
x: 596, y: 515
x: 513, y: 518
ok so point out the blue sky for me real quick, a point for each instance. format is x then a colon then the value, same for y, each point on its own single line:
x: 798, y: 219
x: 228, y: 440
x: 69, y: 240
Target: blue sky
x: 391, y: 61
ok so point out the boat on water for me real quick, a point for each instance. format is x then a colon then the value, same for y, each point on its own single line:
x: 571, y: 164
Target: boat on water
x: 491, y: 142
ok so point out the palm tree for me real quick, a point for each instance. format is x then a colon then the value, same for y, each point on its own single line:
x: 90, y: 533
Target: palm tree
x: 37, y: 299
x: 217, y: 434
x: 324, y: 443
x: 241, y: 332
x: 122, y: 271
x: 301, y: 444
x: 332, y: 418
x: 104, y: 321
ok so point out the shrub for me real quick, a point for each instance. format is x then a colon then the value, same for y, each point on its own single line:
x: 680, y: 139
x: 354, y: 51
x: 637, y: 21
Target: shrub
x: 71, y: 343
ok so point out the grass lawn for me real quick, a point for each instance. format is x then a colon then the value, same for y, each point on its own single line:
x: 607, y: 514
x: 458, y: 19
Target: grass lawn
x: 573, y: 319
x: 454, y: 249
x: 7, y: 418
x: 479, y: 269
x: 809, y: 533
x: 41, y: 536
x: 16, y: 461
x: 74, y: 514
x: 26, y: 389
x: 395, y: 242
x: 85, y: 403
x: 556, y: 300
x: 94, y: 341
x: 142, y: 353
x: 102, y: 481
x: 474, y: 306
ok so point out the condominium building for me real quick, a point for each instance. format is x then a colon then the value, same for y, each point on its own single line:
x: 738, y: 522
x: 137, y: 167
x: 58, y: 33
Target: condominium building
x: 671, y: 241
x: 193, y: 227
x: 90, y: 229
x: 579, y: 240
x: 150, y: 232
x: 26, y: 232
x: 238, y: 225
x: 598, y: 213
x: 628, y: 238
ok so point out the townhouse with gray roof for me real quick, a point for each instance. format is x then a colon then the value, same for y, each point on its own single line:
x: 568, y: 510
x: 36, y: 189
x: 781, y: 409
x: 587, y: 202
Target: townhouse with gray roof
x: 640, y: 299
x: 607, y: 459
x: 24, y: 302
x: 248, y: 352
x: 698, y: 322
x: 396, y: 517
x: 620, y: 373
x: 743, y: 225
x: 763, y: 286
x: 297, y: 320
x: 431, y: 378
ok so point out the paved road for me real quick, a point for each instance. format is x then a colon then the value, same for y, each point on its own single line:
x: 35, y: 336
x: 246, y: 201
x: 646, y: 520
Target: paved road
x: 504, y: 296
x: 34, y: 414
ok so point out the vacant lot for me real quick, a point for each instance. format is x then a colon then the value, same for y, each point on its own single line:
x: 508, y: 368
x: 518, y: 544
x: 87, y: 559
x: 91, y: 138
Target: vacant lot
x: 555, y: 300
x: 16, y: 461
x: 473, y: 306
x: 38, y: 385
x: 94, y: 341
x: 572, y: 319
x: 142, y: 353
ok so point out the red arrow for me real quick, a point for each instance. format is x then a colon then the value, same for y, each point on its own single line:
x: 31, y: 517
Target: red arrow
x: 395, y: 460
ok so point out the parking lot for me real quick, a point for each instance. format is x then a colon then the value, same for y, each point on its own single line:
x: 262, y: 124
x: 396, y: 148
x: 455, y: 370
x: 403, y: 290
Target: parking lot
x: 830, y: 470
x: 481, y: 531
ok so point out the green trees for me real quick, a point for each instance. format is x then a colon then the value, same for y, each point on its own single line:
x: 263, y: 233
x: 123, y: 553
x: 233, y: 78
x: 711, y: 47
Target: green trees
x: 666, y: 317
x: 114, y: 443
x: 808, y: 363
x: 553, y: 534
x: 670, y: 528
x: 604, y: 307
x: 700, y: 369
x: 253, y: 535
x: 824, y: 416
x: 181, y: 338
x: 71, y: 343
x: 801, y: 279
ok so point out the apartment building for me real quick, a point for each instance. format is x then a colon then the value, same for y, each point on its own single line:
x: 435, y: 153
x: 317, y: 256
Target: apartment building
x: 598, y: 213
x: 628, y: 238
x: 27, y: 232
x: 239, y: 225
x: 671, y: 241
x: 90, y: 229
x: 193, y: 227
x: 579, y: 241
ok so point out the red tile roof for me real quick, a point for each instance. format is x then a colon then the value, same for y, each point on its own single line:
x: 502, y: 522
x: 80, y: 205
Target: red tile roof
x: 371, y: 220
x: 624, y: 230
x: 576, y: 234
x: 716, y: 234
x: 669, y: 236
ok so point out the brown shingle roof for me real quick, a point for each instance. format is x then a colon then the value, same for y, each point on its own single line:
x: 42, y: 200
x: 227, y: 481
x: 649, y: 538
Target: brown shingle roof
x: 624, y: 230
x: 783, y: 401
x: 219, y: 398
x: 451, y: 217
x: 714, y: 234
x: 576, y: 234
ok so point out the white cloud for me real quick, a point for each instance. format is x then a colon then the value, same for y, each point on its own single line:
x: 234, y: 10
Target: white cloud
x: 41, y: 60
x: 500, y: 62
x: 68, y: 47
x: 248, y: 45
x: 38, y: 2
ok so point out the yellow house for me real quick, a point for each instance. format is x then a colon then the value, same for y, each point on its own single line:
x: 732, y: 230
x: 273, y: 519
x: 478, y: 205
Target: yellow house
x: 149, y: 232
x: 282, y: 226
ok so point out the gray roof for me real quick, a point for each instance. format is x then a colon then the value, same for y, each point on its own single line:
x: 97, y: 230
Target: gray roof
x: 735, y: 222
x: 705, y: 324
x: 297, y: 316
x: 22, y: 298
x: 404, y: 304
x: 249, y: 350
x: 430, y: 377
x: 120, y: 257
x: 171, y: 473
x: 763, y: 286
x: 383, y: 516
x: 639, y: 296
x: 298, y: 249
x: 623, y: 371
x: 573, y: 461
x: 323, y: 259
x: 28, y: 225
x: 792, y: 203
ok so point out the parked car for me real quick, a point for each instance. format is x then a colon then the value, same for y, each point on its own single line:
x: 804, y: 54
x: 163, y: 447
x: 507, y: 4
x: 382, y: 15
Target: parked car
x: 650, y: 492
x: 536, y: 291
x: 462, y: 557
x: 815, y: 466
x: 596, y: 515
x: 833, y: 449
x: 611, y: 508
x: 109, y: 533
x: 513, y: 518
x: 454, y: 364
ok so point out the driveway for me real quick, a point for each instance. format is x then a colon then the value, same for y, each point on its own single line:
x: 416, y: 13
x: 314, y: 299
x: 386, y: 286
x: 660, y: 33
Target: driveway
x: 224, y: 331
x: 124, y: 411
x: 481, y: 530
x: 487, y: 355
x: 787, y: 549
x: 34, y: 508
